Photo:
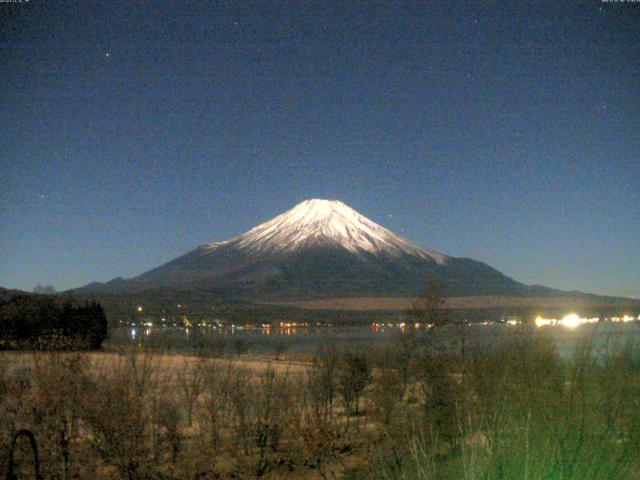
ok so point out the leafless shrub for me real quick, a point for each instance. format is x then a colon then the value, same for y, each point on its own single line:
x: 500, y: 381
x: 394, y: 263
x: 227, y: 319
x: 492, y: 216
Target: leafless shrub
x: 440, y: 394
x: 321, y: 443
x: 241, y: 394
x: 119, y: 413
x: 402, y: 357
x: 58, y: 385
x: 169, y: 434
x: 271, y: 414
x: 387, y: 389
x: 218, y: 382
x: 353, y: 377
x: 321, y: 383
x: 191, y: 385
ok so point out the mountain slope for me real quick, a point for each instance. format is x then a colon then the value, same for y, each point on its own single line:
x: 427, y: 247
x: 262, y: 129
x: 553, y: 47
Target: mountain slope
x: 318, y: 249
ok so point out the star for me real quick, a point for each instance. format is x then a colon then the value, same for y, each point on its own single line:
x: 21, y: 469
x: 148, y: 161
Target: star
x: 107, y: 54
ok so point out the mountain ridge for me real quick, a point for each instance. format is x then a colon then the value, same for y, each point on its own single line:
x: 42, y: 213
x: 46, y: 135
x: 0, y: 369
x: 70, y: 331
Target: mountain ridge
x: 319, y: 249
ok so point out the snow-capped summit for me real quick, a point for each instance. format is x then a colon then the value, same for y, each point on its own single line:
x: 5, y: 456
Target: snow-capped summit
x: 318, y: 249
x: 326, y: 222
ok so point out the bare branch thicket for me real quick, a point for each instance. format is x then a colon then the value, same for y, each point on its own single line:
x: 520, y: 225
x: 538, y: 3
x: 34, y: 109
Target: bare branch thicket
x: 190, y: 380
x: 120, y: 411
x: 218, y: 381
x: 241, y: 394
x: 354, y: 376
x: 321, y: 382
x: 272, y: 414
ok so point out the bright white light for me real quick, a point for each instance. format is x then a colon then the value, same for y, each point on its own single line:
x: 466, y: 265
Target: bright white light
x: 543, y: 322
x: 571, y: 321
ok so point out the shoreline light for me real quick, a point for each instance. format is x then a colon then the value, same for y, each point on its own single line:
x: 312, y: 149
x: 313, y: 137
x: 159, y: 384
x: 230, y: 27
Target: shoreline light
x: 543, y: 322
x: 571, y: 320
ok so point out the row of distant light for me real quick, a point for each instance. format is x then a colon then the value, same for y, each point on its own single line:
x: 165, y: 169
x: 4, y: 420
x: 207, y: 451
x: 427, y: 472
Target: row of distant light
x: 140, y: 309
x: 572, y: 320
x: 400, y: 325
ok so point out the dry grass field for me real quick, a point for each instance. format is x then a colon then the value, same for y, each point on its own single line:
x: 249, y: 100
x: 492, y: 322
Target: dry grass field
x: 417, y: 409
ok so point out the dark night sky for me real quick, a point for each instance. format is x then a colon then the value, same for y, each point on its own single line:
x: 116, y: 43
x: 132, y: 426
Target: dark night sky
x: 131, y: 132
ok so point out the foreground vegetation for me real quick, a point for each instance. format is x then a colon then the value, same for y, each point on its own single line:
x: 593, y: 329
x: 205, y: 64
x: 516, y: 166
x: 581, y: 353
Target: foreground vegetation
x: 45, y: 322
x: 421, y: 409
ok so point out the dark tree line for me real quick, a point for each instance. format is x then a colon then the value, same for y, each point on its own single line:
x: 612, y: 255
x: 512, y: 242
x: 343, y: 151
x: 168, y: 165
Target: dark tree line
x: 39, y: 322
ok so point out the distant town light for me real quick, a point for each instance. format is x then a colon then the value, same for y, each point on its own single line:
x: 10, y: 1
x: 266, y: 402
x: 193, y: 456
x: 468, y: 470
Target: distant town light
x: 542, y: 322
x: 139, y: 309
x: 571, y: 321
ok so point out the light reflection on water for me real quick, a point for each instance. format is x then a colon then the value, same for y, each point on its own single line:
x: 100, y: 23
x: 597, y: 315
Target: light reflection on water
x: 308, y: 340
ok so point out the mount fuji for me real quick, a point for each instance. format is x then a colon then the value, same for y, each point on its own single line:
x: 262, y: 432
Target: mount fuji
x: 318, y: 249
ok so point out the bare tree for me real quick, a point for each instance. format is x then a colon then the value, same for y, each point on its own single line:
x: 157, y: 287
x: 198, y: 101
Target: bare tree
x: 218, y: 384
x: 430, y: 308
x: 353, y: 377
x: 191, y: 384
x: 322, y: 382
x: 271, y: 414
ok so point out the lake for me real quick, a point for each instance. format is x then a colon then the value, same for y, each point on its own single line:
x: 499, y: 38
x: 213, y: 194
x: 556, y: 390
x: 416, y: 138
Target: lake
x: 309, y: 340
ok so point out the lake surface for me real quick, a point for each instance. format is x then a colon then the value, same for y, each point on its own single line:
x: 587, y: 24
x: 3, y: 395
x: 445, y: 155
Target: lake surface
x: 310, y: 340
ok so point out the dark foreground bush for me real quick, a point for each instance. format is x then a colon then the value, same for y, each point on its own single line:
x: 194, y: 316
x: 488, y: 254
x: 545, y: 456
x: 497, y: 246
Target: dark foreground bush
x: 39, y: 322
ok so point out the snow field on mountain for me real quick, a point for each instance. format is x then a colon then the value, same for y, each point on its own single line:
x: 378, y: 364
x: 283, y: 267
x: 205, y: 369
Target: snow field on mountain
x: 326, y: 222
